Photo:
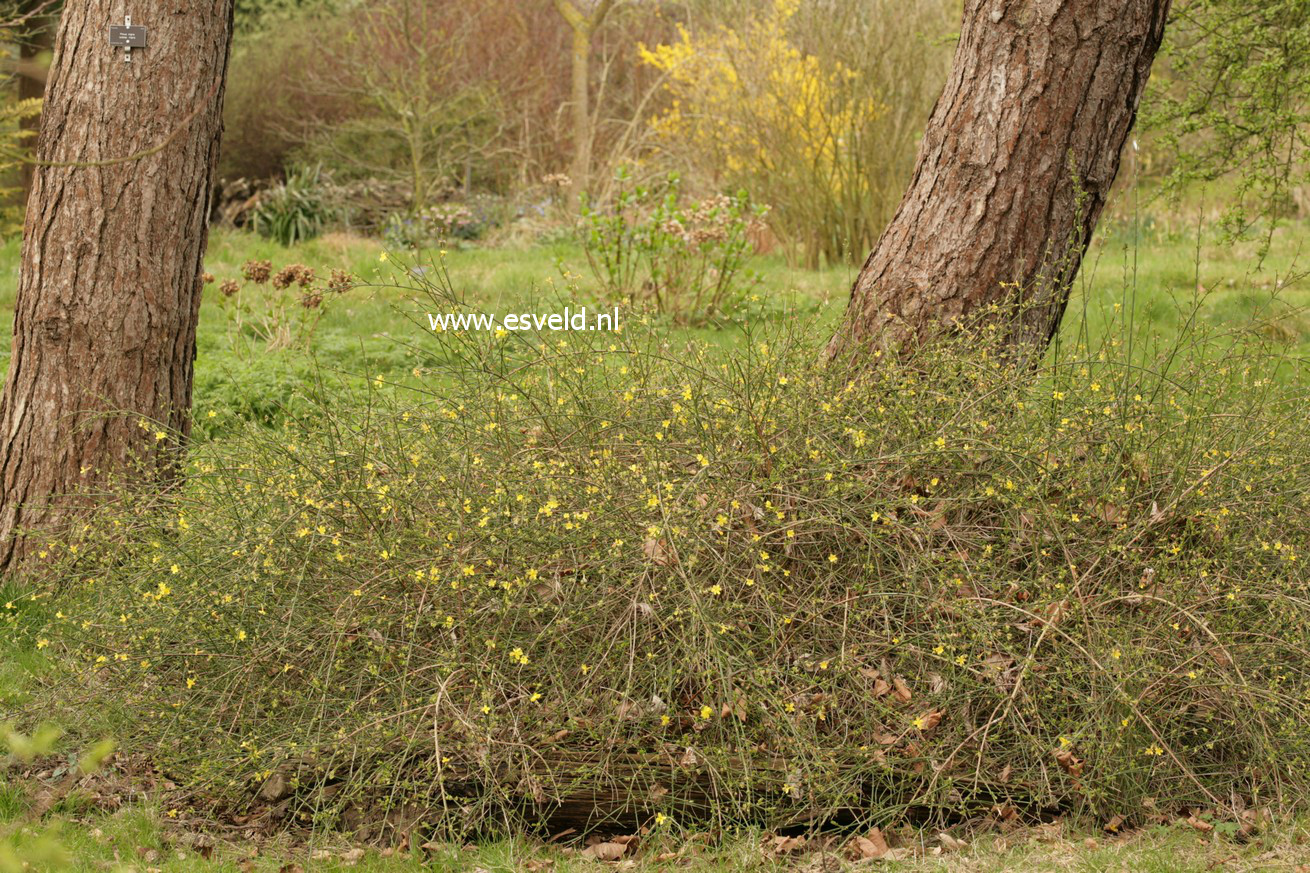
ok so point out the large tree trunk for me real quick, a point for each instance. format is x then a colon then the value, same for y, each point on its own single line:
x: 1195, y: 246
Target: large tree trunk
x: 109, y: 290
x: 1014, y: 169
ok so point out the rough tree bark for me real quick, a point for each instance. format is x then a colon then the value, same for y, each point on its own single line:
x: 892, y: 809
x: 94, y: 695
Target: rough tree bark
x: 110, y: 283
x: 1019, y: 155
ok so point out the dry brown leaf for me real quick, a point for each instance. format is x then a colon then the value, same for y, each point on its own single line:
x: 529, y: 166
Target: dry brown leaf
x: 1252, y: 820
x: 1069, y: 762
x: 605, y: 851
x: 902, y: 690
x: 787, y: 845
x: 1110, y: 513
x: 1200, y: 824
x: 274, y: 788
x: 1113, y: 825
x: 931, y: 720
x: 881, y: 688
x: 868, y: 848
x: 657, y: 551
x: 950, y: 843
x: 737, y: 708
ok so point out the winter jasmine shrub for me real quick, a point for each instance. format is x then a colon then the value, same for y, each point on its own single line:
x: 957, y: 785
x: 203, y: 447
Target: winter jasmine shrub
x: 649, y: 578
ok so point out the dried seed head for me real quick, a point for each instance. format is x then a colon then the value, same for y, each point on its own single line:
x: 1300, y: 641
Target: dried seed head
x: 257, y: 271
x: 340, y: 282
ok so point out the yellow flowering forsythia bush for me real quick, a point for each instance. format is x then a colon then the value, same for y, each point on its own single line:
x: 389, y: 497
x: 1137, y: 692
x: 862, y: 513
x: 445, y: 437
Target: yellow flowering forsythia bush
x: 799, y: 114
x: 675, y: 584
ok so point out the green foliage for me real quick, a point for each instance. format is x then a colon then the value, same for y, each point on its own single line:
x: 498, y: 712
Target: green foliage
x: 256, y: 15
x: 296, y: 210
x: 1232, y: 95
x: 687, y: 261
x: 14, y: 152
x: 741, y: 586
x: 43, y: 851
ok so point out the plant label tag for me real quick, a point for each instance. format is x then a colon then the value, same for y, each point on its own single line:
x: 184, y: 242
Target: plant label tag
x: 127, y: 37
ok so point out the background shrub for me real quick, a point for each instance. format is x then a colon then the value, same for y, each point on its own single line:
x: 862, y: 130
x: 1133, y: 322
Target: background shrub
x: 685, y: 260
x: 814, y: 108
x: 447, y: 222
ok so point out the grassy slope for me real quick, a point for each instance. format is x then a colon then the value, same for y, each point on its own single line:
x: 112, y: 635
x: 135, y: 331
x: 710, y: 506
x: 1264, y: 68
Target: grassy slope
x: 1157, y: 279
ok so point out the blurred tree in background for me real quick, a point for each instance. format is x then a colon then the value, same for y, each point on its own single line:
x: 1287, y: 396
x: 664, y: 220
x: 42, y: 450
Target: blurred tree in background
x: 28, y: 25
x: 584, y: 18
x: 817, y: 107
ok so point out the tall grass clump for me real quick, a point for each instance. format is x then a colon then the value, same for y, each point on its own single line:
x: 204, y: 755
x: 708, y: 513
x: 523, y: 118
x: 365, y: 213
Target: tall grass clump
x: 296, y: 210
x: 628, y: 578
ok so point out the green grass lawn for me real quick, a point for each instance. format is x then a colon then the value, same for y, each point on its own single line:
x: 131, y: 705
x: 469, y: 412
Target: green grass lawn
x: 1158, y: 281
